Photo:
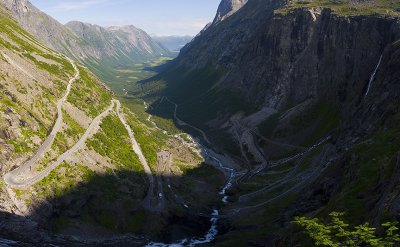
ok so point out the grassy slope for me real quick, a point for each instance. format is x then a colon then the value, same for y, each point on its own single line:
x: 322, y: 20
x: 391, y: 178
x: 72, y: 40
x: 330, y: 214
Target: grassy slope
x: 318, y: 121
x: 122, y: 189
x: 124, y: 74
x: 369, y: 169
x: 89, y: 95
x: 113, y: 142
x: 73, y: 183
x: 370, y: 165
x: 20, y: 42
x: 199, y: 101
x: 361, y: 178
x: 348, y: 7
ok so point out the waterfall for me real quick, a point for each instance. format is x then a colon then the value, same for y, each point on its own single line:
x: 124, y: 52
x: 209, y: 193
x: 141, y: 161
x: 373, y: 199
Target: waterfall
x: 372, y: 78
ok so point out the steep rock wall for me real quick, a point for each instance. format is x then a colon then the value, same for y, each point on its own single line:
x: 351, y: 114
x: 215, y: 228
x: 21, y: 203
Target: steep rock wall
x: 297, y: 56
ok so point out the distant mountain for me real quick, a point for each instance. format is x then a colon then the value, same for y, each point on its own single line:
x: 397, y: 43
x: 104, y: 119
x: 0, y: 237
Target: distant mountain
x: 45, y: 28
x: 173, y: 43
x: 101, y: 49
x: 120, y: 44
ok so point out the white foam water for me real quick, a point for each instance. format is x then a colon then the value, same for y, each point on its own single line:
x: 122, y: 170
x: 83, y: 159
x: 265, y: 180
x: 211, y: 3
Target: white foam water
x: 372, y: 78
x: 213, y: 231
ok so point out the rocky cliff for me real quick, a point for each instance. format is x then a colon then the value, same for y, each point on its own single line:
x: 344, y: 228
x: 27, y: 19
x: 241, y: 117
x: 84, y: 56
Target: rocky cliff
x: 315, y: 39
x: 227, y: 8
x: 45, y: 28
x: 303, y: 98
x: 275, y: 60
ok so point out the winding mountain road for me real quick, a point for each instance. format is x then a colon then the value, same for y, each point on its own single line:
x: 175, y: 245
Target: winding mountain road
x: 19, y: 181
x: 308, y: 150
x: 287, y: 178
x: 23, y: 176
x: 183, y: 123
x: 163, y: 158
x: 303, y: 182
x: 247, y: 138
x: 136, y: 148
x: 46, y: 145
x: 176, y: 197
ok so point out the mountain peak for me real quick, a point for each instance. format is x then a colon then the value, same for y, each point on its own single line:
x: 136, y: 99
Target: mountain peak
x: 18, y: 6
x: 227, y: 8
x: 126, y: 28
x: 79, y: 27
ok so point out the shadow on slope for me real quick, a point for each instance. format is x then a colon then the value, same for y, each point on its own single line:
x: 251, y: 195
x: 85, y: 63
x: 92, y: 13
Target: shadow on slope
x: 202, y: 102
x: 108, y: 210
x: 360, y: 177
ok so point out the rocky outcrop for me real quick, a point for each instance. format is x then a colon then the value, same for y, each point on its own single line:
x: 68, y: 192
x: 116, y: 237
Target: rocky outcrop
x: 6, y: 152
x: 218, y: 44
x: 18, y: 6
x: 44, y: 28
x: 287, y: 56
x: 227, y: 8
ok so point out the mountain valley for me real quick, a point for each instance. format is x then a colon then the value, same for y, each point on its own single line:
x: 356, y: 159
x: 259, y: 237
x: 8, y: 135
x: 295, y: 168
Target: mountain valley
x: 276, y: 109
x: 70, y: 160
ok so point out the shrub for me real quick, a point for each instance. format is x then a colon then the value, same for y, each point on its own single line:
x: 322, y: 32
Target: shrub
x: 338, y: 233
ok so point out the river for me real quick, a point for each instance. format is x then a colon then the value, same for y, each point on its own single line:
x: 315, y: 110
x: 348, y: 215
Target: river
x: 213, y: 231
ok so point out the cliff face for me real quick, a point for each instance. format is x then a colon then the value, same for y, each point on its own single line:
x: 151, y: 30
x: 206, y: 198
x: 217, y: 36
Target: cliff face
x: 313, y: 91
x: 219, y: 44
x: 227, y: 8
x: 281, y: 60
x: 299, y: 55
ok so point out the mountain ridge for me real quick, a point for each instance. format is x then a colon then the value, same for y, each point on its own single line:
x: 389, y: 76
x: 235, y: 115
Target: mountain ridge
x: 130, y: 40
x: 103, y: 51
x: 227, y: 8
x: 173, y: 43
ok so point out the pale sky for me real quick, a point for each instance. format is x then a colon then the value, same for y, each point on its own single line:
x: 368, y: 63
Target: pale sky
x: 159, y: 17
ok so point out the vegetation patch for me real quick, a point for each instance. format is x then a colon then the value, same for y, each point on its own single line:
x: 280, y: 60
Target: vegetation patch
x: 113, y: 142
x: 88, y: 95
x: 338, y: 233
x: 346, y: 7
x: 150, y: 141
x: 62, y: 180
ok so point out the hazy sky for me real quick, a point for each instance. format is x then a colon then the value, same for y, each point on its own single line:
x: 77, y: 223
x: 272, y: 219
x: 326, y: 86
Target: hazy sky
x: 161, y: 17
